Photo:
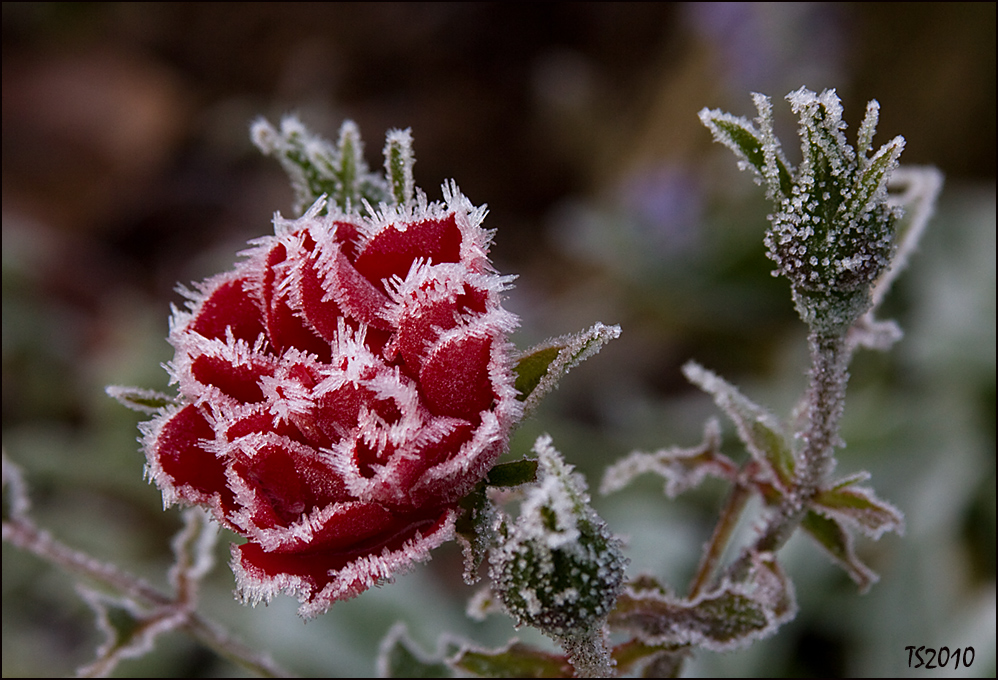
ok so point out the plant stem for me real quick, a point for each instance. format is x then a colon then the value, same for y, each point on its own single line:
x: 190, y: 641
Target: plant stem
x: 825, y: 400
x: 23, y: 533
x: 726, y: 524
x: 589, y: 655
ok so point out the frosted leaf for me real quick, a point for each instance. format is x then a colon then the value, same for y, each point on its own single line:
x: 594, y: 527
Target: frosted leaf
x: 683, y: 469
x: 138, y: 399
x: 539, y: 368
x: 761, y: 432
x: 129, y: 630
x: 859, y: 507
x: 725, y: 618
x: 400, y: 657
x: 514, y: 660
x: 832, y: 536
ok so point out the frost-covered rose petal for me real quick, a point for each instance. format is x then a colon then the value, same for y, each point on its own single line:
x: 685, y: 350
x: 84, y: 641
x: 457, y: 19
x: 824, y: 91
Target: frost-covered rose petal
x: 340, y: 391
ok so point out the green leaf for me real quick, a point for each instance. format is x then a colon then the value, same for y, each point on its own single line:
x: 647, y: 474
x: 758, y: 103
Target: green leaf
x: 513, y: 474
x: 728, y: 617
x: 138, y: 399
x: 761, y: 432
x: 531, y: 368
x: 859, y: 506
x: 516, y: 660
x: 539, y: 369
x: 830, y: 535
x: 399, y: 657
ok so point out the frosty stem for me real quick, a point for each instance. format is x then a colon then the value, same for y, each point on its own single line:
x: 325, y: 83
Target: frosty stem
x: 824, y: 404
x: 726, y: 523
x: 589, y: 655
x: 22, y: 533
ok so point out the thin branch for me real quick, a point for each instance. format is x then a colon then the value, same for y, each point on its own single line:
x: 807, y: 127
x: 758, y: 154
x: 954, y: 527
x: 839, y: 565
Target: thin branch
x: 22, y: 533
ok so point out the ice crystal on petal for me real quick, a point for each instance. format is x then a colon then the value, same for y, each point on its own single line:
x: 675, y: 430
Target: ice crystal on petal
x: 345, y: 385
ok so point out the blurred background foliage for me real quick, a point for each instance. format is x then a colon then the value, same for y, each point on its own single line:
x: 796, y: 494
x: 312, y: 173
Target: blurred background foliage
x: 127, y: 168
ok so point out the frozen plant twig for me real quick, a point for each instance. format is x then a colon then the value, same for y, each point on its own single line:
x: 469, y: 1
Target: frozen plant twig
x: 151, y: 611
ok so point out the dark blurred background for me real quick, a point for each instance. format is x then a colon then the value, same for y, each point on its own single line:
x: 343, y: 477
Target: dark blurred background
x: 127, y: 169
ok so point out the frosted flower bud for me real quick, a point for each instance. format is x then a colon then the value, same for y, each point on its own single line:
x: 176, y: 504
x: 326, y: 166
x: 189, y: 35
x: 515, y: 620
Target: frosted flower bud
x: 832, y: 231
x: 833, y: 236
x: 340, y: 390
x: 559, y: 569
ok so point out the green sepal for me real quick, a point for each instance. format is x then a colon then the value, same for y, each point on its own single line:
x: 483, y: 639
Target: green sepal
x: 872, y: 180
x: 398, y: 166
x: 317, y: 168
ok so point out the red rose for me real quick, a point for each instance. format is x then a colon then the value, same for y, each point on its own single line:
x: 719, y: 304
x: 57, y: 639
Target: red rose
x: 340, y: 391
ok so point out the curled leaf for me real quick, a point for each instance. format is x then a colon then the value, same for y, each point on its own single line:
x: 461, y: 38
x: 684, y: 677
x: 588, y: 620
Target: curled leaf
x: 400, y: 657
x: 129, y: 629
x: 682, y: 469
x: 727, y: 617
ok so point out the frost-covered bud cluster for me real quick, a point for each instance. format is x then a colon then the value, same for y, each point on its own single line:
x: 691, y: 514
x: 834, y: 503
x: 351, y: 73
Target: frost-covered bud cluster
x: 340, y: 391
x: 559, y: 569
x: 832, y: 232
